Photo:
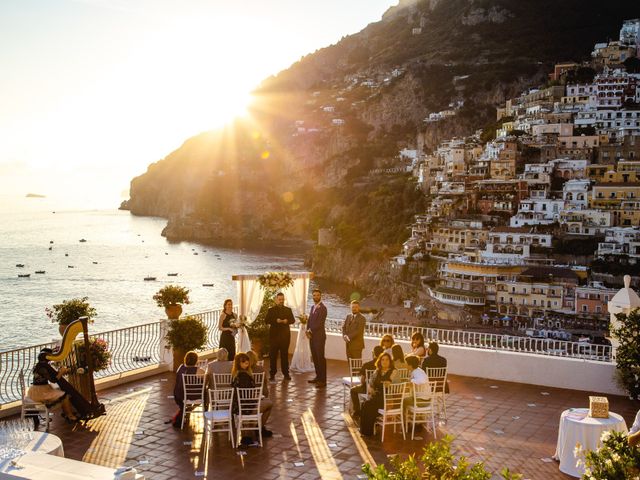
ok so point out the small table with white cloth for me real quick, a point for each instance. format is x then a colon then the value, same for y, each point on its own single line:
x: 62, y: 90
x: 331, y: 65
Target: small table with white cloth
x: 45, y: 443
x: 39, y: 466
x: 576, y: 426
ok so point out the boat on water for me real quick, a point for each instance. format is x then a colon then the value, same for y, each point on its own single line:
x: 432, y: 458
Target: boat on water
x: 207, y: 284
x: 24, y: 275
x: 82, y: 240
x: 40, y: 271
x: 149, y: 279
x: 70, y: 266
x: 50, y: 248
x: 20, y: 265
x: 195, y: 253
x: 172, y: 274
x: 95, y: 263
x: 66, y: 254
x: 50, y: 241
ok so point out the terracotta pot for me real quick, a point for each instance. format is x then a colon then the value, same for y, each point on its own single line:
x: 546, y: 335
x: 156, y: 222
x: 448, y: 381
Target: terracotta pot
x: 178, y: 358
x: 173, y: 311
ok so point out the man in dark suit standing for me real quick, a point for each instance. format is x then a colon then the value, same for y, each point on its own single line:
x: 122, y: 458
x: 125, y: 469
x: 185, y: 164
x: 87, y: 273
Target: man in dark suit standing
x: 317, y: 338
x: 353, y: 331
x: 279, y: 318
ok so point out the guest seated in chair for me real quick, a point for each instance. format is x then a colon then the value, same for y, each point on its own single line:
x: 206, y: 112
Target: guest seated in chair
x: 41, y: 390
x: 417, y: 345
x: 362, y: 388
x: 417, y: 376
x: 385, y: 374
x: 387, y: 342
x: 242, y: 378
x: 433, y: 360
x: 221, y: 364
x: 634, y: 432
x: 398, y: 357
x: 189, y: 367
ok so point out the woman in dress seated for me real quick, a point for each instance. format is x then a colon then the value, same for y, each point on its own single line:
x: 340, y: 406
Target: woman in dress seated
x: 241, y: 377
x: 387, y: 342
x: 417, y: 345
x: 398, y: 357
x: 189, y: 367
x: 385, y: 374
x: 42, y: 391
x: 227, y: 332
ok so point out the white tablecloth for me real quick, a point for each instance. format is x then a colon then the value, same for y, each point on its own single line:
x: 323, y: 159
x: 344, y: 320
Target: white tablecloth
x: 45, y: 443
x: 577, y: 427
x: 38, y: 466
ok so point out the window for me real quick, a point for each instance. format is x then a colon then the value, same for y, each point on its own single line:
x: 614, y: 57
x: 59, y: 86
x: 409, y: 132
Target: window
x: 598, y: 309
x: 585, y: 308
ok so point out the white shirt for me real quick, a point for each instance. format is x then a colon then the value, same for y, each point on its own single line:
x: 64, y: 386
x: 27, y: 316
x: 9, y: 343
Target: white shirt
x: 636, y: 424
x: 419, y: 376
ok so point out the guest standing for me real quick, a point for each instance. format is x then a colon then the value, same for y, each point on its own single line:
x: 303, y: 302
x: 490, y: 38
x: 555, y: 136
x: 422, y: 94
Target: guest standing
x: 279, y: 318
x: 227, y: 332
x: 317, y: 338
x: 353, y: 331
x: 384, y: 375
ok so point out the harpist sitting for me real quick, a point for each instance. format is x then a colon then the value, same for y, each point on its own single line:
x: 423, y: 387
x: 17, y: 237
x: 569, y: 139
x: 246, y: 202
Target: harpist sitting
x: 41, y: 389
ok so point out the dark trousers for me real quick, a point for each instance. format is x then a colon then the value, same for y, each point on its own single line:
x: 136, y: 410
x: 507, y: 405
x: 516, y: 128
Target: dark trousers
x: 355, y: 400
x: 279, y: 346
x: 177, y: 417
x: 319, y: 361
x: 369, y: 413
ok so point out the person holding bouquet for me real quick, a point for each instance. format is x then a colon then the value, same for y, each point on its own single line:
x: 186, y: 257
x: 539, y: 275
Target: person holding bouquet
x: 227, y: 328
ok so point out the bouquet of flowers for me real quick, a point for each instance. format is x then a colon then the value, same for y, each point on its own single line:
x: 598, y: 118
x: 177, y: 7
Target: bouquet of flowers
x: 99, y: 351
x: 240, y: 322
x: 304, y: 319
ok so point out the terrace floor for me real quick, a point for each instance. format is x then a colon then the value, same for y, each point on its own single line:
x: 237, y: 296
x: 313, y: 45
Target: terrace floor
x: 491, y: 421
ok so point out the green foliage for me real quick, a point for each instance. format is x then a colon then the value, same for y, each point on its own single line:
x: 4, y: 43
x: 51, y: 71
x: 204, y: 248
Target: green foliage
x: 628, y: 352
x: 171, y: 295
x: 185, y: 334
x: 614, y: 460
x: 69, y: 310
x: 437, y: 463
x: 100, y: 354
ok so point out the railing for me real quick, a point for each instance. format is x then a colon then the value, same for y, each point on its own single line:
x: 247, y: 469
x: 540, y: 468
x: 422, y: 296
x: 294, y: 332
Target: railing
x: 490, y: 341
x: 131, y: 348
x: 140, y: 346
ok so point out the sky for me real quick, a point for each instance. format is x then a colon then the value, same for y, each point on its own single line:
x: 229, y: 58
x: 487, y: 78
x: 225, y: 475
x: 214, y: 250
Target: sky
x: 93, y: 91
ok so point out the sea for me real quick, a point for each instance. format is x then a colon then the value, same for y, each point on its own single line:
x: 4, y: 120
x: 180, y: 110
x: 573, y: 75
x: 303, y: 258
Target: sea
x: 109, y: 267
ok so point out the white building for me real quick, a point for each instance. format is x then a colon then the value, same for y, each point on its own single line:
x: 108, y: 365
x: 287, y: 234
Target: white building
x: 575, y: 193
x: 537, y: 211
x: 621, y: 241
x: 586, y: 221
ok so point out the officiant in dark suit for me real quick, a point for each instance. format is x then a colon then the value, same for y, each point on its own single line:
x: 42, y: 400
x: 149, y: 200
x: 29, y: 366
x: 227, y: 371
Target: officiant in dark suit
x: 279, y: 318
x: 353, y: 331
x: 317, y: 338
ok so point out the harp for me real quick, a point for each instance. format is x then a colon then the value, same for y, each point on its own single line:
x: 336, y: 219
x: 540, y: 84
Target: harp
x: 80, y: 385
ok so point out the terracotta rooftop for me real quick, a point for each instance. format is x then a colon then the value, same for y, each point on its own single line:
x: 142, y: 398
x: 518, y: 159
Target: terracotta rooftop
x: 491, y: 421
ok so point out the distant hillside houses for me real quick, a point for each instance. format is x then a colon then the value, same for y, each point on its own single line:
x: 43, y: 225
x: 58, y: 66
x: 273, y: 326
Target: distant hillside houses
x: 523, y: 224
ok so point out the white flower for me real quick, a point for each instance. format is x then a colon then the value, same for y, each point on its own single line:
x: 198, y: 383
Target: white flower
x: 577, y: 452
x: 615, y: 457
x: 587, y: 472
x: 605, y: 436
x: 608, y: 462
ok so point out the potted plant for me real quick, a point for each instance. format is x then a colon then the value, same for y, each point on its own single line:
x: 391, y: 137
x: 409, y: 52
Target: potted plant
x: 171, y: 297
x: 189, y: 333
x: 70, y: 310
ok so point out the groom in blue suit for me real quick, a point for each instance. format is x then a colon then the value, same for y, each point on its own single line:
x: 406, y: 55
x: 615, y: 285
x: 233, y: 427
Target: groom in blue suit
x: 317, y: 338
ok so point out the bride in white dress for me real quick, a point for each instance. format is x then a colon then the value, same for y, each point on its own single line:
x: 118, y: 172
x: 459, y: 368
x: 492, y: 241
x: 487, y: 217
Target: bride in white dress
x: 301, y: 361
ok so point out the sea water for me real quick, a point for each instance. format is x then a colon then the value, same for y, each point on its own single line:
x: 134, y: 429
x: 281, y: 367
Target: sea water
x: 110, y: 268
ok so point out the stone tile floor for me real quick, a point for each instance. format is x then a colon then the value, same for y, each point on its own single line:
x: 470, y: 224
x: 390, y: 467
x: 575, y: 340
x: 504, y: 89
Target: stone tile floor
x: 314, y: 439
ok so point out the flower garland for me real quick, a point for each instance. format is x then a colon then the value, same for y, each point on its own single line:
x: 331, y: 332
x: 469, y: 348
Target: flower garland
x: 275, y: 280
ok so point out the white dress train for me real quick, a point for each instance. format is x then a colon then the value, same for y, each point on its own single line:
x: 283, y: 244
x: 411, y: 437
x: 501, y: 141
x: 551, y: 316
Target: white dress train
x: 301, y: 361
x: 243, y: 343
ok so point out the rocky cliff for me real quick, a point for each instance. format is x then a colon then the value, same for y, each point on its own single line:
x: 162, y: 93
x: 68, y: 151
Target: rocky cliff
x: 302, y: 161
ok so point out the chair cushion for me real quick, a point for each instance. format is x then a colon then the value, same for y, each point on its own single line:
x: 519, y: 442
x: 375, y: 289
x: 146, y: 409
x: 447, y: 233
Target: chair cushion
x: 351, y: 381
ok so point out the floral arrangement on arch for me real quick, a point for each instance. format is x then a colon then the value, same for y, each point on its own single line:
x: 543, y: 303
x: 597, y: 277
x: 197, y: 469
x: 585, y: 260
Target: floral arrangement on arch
x: 275, y: 280
x: 99, y: 351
